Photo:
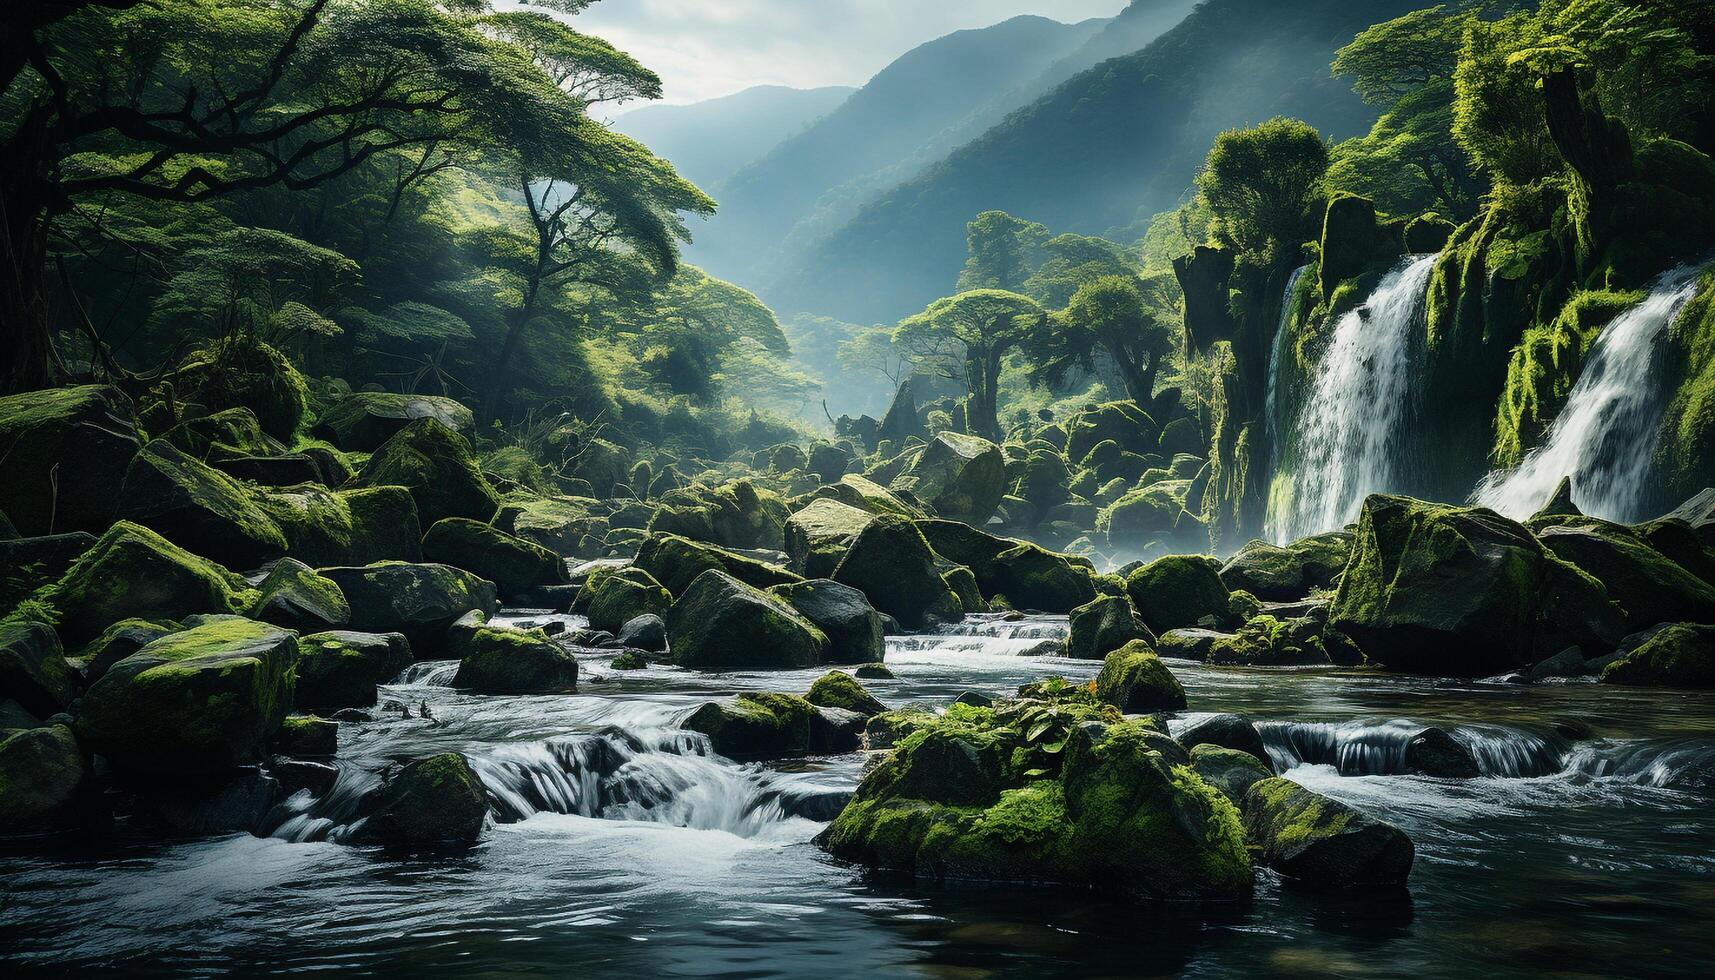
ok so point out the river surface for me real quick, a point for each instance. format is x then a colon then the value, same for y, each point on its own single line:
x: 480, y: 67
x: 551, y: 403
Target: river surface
x: 624, y: 849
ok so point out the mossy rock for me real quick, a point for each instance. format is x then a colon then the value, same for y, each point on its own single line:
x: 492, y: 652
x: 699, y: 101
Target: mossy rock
x: 1134, y: 680
x: 757, y: 725
x: 1102, y: 626
x: 242, y: 372
x: 961, y: 477
x: 418, y: 600
x: 117, y: 642
x: 33, y: 669
x: 293, y: 596
x: 515, y: 661
x: 676, y: 562
x: 342, y: 669
x: 434, y: 801
x: 1323, y: 843
x: 195, y: 505
x: 963, y: 582
x: 614, y: 597
x: 1230, y: 771
x: 514, y: 565
x: 1648, y: 585
x: 132, y: 572
x: 44, y: 782
x: 866, y: 495
x: 345, y: 527
x: 1128, y: 425
x: 853, y: 627
x: 559, y: 524
x: 1145, y: 516
x: 363, y: 420
x: 306, y: 735
x: 838, y: 689
x: 1287, y: 573
x: 892, y: 564
x: 720, y: 623
x: 1176, y: 591
x: 66, y: 451
x: 1355, y: 241
x: 1033, y: 577
x: 28, y: 564
x: 1678, y: 655
x: 229, y: 434
x: 603, y: 464
x: 193, y: 703
x: 818, y: 535
x: 436, y: 465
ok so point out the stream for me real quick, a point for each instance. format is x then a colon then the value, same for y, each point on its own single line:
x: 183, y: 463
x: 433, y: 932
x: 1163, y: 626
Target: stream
x: 624, y: 847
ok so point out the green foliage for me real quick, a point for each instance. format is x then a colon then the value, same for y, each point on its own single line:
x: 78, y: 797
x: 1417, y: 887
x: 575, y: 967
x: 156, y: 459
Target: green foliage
x: 1003, y: 251
x: 1497, y: 113
x: 1260, y: 184
x: 969, y: 336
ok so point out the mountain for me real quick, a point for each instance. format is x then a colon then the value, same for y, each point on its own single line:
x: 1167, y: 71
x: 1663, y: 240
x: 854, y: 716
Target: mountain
x: 903, y: 106
x: 709, y: 141
x: 1103, y: 150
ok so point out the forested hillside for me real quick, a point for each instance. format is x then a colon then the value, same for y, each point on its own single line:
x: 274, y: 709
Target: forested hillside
x: 710, y: 141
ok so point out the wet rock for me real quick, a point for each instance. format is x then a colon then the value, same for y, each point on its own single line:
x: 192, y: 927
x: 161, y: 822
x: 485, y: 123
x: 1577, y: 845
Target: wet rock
x: 33, y: 669
x: 676, y: 562
x: 1434, y: 752
x: 720, y: 623
x: 1179, y: 591
x: 1189, y: 644
x: 434, y: 801
x: 514, y: 565
x: 1226, y: 731
x: 836, y: 730
x: 962, y: 477
x: 758, y: 725
x: 838, y: 689
x: 615, y: 597
x: 1283, y: 574
x: 44, y: 782
x: 974, y: 699
x: 294, y: 597
x: 1134, y: 680
x: 236, y: 804
x: 1324, y: 843
x: 1230, y: 771
x: 194, y: 505
x: 1103, y: 626
x: 295, y: 775
x: 437, y: 466
x: 1676, y: 655
x: 559, y: 524
x: 1647, y: 584
x: 192, y: 703
x: 876, y: 671
x: 630, y: 660
x: 48, y: 490
x: 892, y: 565
x: 343, y: 669
x: 1569, y: 662
x: 647, y: 632
x: 419, y: 600
x: 843, y: 614
x: 513, y: 661
x: 964, y: 585
x: 307, y: 735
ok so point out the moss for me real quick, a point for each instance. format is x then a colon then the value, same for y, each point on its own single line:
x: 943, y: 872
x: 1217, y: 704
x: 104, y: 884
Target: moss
x: 243, y: 372
x: 430, y: 801
x: 613, y: 597
x: 1544, y: 367
x: 1179, y: 590
x: 516, y: 661
x: 1679, y: 655
x: 1686, y: 453
x: 838, y: 689
x: 514, y: 565
x: 436, y: 465
x: 1134, y: 679
x: 630, y: 660
x: 676, y: 562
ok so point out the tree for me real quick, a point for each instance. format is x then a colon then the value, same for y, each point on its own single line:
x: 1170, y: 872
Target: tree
x: 1409, y: 162
x: 1260, y: 184
x: 1109, y: 317
x: 688, y: 326
x: 1497, y: 111
x: 1072, y: 261
x: 970, y: 335
x: 1395, y: 58
x: 1003, y: 251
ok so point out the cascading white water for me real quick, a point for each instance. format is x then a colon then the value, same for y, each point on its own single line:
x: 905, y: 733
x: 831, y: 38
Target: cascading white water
x: 1604, y: 437
x: 1271, y: 411
x: 1348, y: 434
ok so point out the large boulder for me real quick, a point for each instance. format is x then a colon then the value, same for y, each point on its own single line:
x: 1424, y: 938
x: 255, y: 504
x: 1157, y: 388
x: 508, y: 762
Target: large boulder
x: 295, y: 597
x: 437, y: 466
x: 768, y: 725
x: 1032, y: 577
x: 1123, y: 422
x: 194, y: 505
x: 1355, y: 240
x: 345, y: 527
x: 1324, y: 843
x: 421, y: 601
x: 1676, y: 655
x: 514, y: 565
x: 676, y: 562
x: 516, y: 661
x: 563, y: 525
x: 868, y: 496
x: 818, y: 535
x: 719, y: 623
x: 132, y: 572
x: 1179, y: 590
x: 243, y: 372
x: 838, y: 689
x: 117, y: 642
x: 1286, y: 573
x: 342, y: 669
x: 66, y: 450
x: 892, y: 564
x: 27, y: 564
x: 962, y: 477
x: 434, y: 801
x: 193, y: 703
x: 1648, y: 585
x: 33, y: 669
x: 44, y: 782
x: 614, y: 597
x: 363, y: 420
x: 854, y: 629
x: 1134, y: 680
x: 1102, y: 626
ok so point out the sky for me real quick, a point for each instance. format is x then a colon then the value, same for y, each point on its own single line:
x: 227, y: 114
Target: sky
x: 703, y: 49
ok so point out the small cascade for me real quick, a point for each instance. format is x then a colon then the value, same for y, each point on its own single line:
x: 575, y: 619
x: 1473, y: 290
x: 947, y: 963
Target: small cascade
x: 1349, y: 431
x: 989, y: 634
x: 1370, y: 748
x: 429, y: 673
x: 1271, y: 411
x: 1606, y: 434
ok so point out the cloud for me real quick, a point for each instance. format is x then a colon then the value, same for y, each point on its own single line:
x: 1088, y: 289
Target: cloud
x: 707, y: 48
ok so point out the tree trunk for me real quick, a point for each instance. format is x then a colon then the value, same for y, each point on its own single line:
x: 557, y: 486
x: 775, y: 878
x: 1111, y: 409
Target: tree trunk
x: 26, y: 339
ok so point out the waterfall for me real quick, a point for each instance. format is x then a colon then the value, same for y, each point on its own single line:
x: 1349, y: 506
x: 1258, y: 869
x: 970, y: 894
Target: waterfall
x: 1348, y: 434
x: 1604, y: 437
x: 1270, y: 412
x: 1378, y: 748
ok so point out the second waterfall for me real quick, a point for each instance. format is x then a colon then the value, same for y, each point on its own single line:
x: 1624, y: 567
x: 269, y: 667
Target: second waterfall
x: 1345, y: 441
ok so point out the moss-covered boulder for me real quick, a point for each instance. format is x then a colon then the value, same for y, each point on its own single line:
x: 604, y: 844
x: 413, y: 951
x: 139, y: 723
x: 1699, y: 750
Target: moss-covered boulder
x: 362, y: 420
x: 1147, y: 516
x: 838, y: 689
x: 514, y: 565
x: 613, y: 597
x: 1648, y: 585
x: 1129, y: 426
x: 759, y: 725
x: 1032, y: 577
x: 192, y: 703
x: 853, y: 627
x: 866, y: 495
x: 195, y: 505
x: 817, y: 536
x: 66, y: 450
x: 720, y: 623
x: 345, y: 527
x: 1134, y: 680
x: 1355, y: 240
x: 676, y: 562
x: 603, y: 465
x: 1323, y: 843
x: 229, y: 434
x: 437, y: 466
x: 560, y: 524
x: 33, y: 669
x: 958, y: 799
x: 28, y: 564
x: 434, y: 801
x: 892, y: 565
x: 117, y: 642
x: 243, y: 372
x: 132, y: 572
x: 342, y: 669
x: 1677, y: 655
x: 1286, y: 573
x: 516, y: 661
x: 1227, y: 731
x: 419, y: 600
x: 44, y: 782
x: 1102, y: 626
x: 1228, y: 770
x: 295, y: 597
x: 1179, y: 590
x: 962, y: 477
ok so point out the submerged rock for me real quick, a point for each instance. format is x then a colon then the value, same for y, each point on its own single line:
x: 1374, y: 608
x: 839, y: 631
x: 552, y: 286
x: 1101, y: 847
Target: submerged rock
x: 720, y: 623
x: 1321, y: 842
x: 437, y: 800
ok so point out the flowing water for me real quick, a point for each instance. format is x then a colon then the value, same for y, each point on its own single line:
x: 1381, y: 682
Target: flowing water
x: 1347, y: 438
x: 1604, y: 437
x: 624, y: 847
x: 1271, y: 411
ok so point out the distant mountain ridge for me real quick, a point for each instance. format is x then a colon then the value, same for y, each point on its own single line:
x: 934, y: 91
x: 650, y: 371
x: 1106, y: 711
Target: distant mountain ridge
x: 711, y: 140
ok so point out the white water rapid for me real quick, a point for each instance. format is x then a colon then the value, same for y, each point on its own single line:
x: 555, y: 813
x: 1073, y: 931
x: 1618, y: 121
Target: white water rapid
x: 1604, y: 437
x: 1271, y: 413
